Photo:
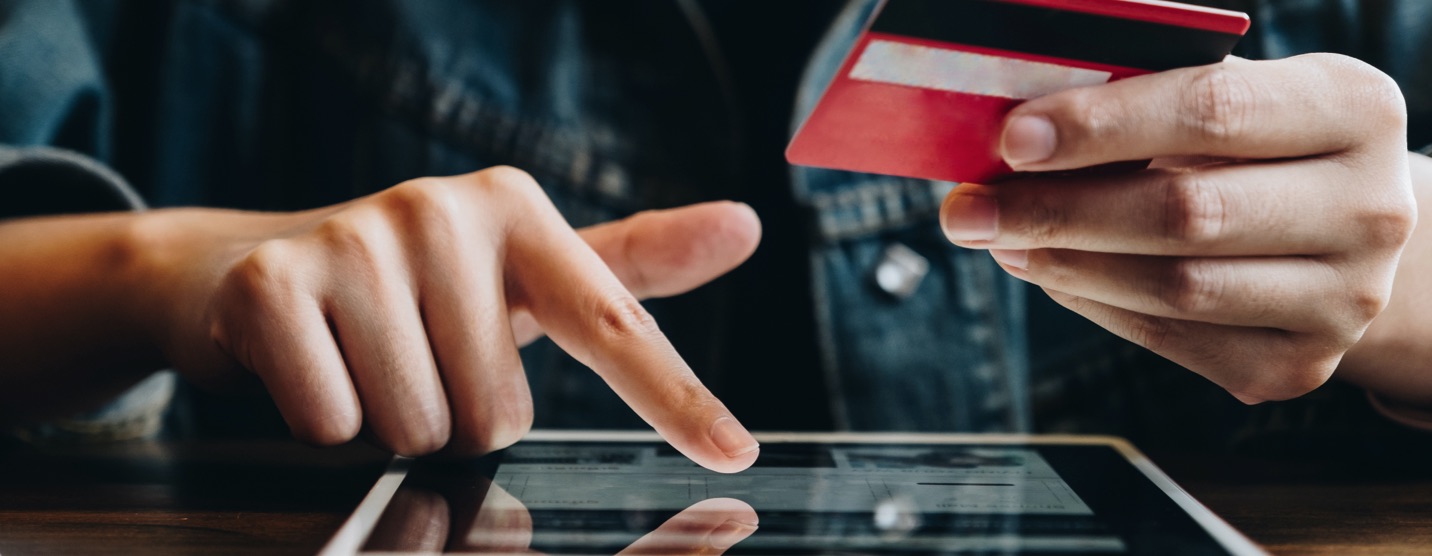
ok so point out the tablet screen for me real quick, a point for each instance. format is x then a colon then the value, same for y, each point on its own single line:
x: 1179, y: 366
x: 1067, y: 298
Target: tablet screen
x: 799, y: 498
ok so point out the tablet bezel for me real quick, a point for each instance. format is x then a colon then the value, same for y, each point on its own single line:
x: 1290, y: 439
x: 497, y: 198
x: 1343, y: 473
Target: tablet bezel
x: 350, y: 537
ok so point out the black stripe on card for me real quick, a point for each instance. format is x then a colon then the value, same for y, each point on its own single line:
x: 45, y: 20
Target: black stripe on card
x: 1054, y: 32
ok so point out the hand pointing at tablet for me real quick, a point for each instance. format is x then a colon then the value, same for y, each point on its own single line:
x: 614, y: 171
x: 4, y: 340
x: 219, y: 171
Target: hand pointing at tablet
x: 402, y: 312
x: 1257, y: 248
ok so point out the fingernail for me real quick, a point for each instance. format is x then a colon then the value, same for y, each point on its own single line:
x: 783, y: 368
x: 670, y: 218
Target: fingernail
x: 732, y: 438
x: 1027, y: 140
x: 730, y: 533
x: 1017, y: 258
x: 971, y: 218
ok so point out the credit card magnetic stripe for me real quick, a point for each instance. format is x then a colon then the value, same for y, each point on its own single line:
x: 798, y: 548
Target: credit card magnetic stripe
x: 1055, y: 32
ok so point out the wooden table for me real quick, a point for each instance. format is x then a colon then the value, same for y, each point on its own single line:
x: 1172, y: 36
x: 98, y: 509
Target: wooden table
x: 273, y: 497
x: 1314, y: 507
x: 256, y: 497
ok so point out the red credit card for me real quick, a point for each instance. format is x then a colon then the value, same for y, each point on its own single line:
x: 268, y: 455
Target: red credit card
x: 925, y: 90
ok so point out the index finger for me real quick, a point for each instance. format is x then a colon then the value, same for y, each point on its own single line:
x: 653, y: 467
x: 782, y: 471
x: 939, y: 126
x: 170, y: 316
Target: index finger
x: 587, y: 311
x: 1306, y: 105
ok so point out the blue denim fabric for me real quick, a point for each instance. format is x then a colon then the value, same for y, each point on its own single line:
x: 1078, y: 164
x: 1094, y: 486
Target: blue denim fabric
x: 963, y: 366
x: 615, y: 107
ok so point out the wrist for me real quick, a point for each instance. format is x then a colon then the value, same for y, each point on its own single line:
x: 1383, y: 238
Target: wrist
x: 145, y: 244
x: 174, y: 256
x: 180, y: 258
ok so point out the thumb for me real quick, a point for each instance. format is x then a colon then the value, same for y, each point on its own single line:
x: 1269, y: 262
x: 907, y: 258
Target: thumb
x: 661, y: 253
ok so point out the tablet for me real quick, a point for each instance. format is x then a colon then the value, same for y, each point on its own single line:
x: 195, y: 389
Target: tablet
x: 621, y: 492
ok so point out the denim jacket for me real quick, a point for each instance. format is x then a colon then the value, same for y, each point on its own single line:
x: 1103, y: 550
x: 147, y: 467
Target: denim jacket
x: 614, y: 107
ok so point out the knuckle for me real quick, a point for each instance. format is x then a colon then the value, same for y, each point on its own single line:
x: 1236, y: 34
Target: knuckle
x: 1222, y: 104
x: 419, y: 202
x: 1082, y: 116
x: 1375, y: 91
x: 267, y: 273
x: 622, y: 318
x: 1385, y: 98
x: 1042, y: 219
x: 1190, y: 287
x: 509, y: 175
x: 354, y: 237
x: 1390, y: 226
x: 685, y: 390
x: 509, y: 180
x: 1366, y: 304
x: 515, y: 193
x: 1194, y: 208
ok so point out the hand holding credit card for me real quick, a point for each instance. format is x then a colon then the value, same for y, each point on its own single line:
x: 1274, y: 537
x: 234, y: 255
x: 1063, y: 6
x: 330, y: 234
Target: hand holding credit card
x: 925, y: 89
x: 1258, y: 246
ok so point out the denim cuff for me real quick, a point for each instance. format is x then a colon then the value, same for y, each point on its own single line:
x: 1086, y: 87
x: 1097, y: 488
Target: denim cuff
x: 138, y: 413
x: 37, y: 181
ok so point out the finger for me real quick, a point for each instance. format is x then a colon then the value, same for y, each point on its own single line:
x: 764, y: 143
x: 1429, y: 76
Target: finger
x: 1253, y: 364
x: 1306, y: 105
x: 1261, y: 292
x: 376, y: 319
x: 465, y: 314
x: 1304, y: 207
x: 289, y: 346
x: 662, y: 253
x: 710, y: 526
x: 588, y: 312
x: 525, y: 329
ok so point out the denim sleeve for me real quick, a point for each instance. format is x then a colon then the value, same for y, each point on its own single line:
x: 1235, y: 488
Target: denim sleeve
x: 46, y: 180
x: 53, y: 143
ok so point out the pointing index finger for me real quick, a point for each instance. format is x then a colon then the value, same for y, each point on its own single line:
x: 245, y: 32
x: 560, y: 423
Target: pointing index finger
x: 587, y: 311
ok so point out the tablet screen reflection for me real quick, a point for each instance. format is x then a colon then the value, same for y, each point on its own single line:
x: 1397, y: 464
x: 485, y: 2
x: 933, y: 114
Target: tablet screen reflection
x: 647, y: 499
x: 489, y: 520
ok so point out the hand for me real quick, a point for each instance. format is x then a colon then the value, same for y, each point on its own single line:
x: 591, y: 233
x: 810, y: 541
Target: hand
x: 402, y: 312
x: 1257, y: 247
